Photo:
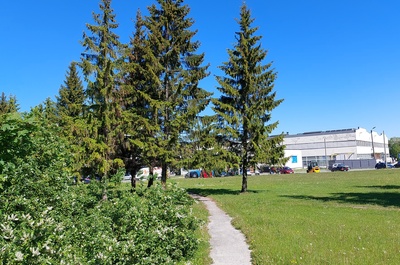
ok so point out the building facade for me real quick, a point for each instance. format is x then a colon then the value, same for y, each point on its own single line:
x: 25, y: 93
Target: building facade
x: 346, y: 144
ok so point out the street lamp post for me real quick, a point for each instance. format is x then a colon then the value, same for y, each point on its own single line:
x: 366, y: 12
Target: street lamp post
x: 372, y: 140
x: 326, y: 158
x: 384, y: 145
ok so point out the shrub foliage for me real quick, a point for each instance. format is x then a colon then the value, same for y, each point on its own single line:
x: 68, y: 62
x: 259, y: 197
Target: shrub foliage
x: 46, y: 220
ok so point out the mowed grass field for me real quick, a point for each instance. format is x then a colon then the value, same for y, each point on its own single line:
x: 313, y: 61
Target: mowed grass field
x: 327, y: 218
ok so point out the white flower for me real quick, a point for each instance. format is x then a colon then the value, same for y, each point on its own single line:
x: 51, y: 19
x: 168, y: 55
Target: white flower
x: 7, y: 231
x: 12, y: 217
x: 5, y: 227
x: 179, y: 215
x: 27, y: 216
x: 25, y: 236
x: 19, y: 256
x: 101, y: 256
x: 46, y: 247
x: 35, y: 251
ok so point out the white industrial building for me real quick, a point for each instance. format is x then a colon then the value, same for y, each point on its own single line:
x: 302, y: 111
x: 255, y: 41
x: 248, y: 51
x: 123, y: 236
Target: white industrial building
x: 338, y: 145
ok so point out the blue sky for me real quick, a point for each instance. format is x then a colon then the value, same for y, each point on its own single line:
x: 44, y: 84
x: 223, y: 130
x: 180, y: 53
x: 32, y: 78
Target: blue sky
x: 338, y: 61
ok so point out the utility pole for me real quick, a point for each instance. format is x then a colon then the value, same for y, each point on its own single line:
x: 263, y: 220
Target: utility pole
x: 384, y: 145
x: 326, y: 158
x: 372, y: 140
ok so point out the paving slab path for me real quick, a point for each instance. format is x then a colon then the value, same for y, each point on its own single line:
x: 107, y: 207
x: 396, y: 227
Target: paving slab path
x: 228, y: 245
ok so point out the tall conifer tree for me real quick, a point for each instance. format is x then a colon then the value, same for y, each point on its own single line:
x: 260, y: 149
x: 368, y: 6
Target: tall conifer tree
x: 70, y: 107
x: 100, y: 68
x: 71, y: 98
x: 247, y: 99
x: 174, y: 70
x: 134, y: 89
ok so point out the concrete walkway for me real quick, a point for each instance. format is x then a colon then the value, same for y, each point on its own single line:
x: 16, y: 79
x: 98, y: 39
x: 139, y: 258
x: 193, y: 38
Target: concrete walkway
x: 228, y: 245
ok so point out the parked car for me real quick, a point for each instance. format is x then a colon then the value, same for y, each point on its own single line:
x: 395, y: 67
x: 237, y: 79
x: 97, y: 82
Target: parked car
x: 390, y: 165
x: 127, y: 176
x: 286, y: 170
x: 252, y: 173
x: 339, y: 167
x: 221, y: 174
x: 380, y: 165
x: 194, y: 173
x: 274, y: 170
x: 397, y: 165
x: 265, y: 169
x: 198, y: 173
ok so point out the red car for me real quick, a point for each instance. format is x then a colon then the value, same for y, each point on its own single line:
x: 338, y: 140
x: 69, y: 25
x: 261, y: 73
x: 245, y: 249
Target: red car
x: 286, y: 170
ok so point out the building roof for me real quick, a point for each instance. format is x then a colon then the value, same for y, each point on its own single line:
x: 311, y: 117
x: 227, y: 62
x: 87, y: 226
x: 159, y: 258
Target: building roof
x: 321, y: 133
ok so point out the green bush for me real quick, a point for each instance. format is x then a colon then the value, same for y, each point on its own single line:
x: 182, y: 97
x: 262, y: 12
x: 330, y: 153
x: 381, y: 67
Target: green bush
x: 45, y: 220
x: 154, y: 228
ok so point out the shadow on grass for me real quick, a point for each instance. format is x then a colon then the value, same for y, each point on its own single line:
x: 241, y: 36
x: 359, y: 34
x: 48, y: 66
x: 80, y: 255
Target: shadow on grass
x: 383, y: 187
x: 384, y: 199
x: 207, y: 192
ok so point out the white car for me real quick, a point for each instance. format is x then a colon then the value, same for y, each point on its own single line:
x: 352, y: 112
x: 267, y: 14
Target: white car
x: 256, y: 172
x: 127, y: 176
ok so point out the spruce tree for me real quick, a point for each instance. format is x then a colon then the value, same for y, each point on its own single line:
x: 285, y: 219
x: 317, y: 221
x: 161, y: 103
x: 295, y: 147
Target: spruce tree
x: 71, y: 98
x: 173, y: 95
x: 46, y: 112
x: 100, y: 68
x: 134, y: 89
x: 8, y: 105
x: 70, y: 107
x: 247, y: 100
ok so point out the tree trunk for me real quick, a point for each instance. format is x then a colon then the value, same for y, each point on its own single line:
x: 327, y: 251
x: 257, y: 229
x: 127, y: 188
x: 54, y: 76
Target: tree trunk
x: 151, y: 177
x: 244, y: 175
x: 133, y: 180
x: 151, y: 180
x: 244, y: 182
x: 133, y: 183
x: 164, y: 175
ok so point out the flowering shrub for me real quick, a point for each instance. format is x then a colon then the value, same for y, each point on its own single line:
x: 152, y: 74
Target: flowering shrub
x: 155, y: 228
x: 43, y: 220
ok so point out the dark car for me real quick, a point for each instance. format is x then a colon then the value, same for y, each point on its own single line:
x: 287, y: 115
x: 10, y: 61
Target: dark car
x: 389, y: 165
x: 221, y: 174
x: 86, y: 180
x: 380, y: 165
x: 286, y: 170
x: 397, y: 165
x: 339, y: 167
x: 274, y: 170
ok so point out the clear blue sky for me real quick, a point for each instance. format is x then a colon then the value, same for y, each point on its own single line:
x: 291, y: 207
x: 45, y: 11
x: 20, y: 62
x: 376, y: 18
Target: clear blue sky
x: 338, y: 61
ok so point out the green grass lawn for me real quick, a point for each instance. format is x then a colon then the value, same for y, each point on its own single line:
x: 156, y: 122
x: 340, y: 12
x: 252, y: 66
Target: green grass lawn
x: 328, y: 218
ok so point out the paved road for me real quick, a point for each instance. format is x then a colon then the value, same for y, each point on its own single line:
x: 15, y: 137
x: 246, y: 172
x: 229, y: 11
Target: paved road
x: 228, y: 245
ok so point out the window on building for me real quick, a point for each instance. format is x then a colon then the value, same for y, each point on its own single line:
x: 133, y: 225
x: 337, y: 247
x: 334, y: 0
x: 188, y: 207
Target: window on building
x: 294, y: 159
